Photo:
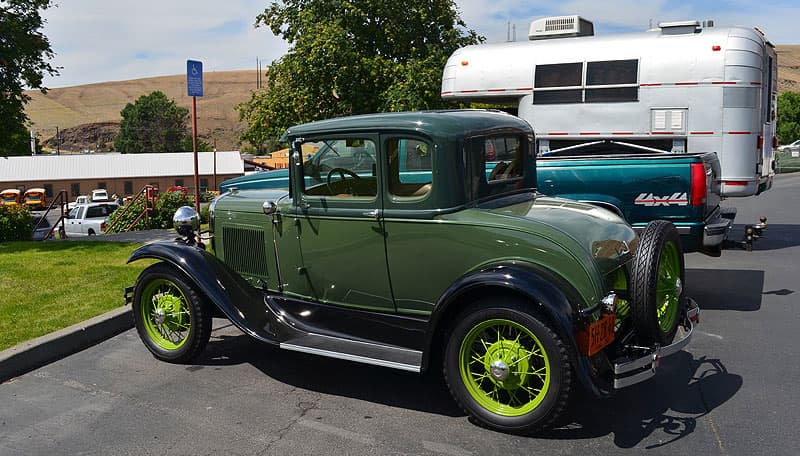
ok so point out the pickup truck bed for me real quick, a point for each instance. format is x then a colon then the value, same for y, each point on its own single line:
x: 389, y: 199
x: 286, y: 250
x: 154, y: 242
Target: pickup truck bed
x: 645, y: 186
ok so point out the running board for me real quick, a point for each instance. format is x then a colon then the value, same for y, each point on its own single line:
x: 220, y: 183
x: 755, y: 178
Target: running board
x: 353, y: 350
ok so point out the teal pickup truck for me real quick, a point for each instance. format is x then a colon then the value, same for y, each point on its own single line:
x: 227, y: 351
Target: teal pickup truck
x: 641, y: 185
x: 638, y: 183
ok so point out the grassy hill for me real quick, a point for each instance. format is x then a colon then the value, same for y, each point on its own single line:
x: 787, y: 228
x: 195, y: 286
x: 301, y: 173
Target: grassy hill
x: 69, y: 107
x: 788, y: 68
x: 217, y: 119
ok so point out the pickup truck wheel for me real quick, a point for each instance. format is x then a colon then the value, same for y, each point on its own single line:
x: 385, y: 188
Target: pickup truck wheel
x: 658, y: 278
x: 173, y: 321
x: 507, y: 369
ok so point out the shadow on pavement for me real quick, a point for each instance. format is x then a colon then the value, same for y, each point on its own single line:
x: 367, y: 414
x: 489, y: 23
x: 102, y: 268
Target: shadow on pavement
x: 776, y: 236
x: 742, y: 290
x: 666, y: 407
x: 426, y: 393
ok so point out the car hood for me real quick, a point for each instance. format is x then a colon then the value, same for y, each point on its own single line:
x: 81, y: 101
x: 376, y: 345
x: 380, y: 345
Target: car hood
x: 278, y: 178
x: 247, y: 200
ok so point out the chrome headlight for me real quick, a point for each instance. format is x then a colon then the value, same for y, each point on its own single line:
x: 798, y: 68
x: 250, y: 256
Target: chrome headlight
x: 186, y: 221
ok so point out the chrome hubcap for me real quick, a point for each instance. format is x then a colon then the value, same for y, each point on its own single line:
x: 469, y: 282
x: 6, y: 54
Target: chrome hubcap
x: 678, y: 287
x: 499, y: 370
x: 159, y: 316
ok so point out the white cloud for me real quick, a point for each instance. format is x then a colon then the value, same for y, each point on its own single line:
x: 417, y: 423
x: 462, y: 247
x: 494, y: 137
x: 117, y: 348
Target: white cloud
x: 102, y: 40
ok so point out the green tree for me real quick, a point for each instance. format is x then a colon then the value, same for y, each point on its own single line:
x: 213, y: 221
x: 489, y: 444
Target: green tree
x: 788, y: 117
x: 353, y: 57
x: 153, y: 123
x: 24, y: 55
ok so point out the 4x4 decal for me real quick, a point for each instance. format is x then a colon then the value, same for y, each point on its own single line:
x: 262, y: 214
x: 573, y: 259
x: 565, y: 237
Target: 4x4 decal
x: 650, y: 200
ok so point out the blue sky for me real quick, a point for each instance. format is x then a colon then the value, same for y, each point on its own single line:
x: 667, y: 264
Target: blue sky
x: 102, y: 40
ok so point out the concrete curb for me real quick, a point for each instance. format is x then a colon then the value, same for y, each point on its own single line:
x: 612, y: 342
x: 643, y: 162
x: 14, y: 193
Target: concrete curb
x: 38, y: 352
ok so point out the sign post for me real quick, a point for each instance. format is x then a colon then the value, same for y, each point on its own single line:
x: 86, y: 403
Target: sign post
x: 194, y: 86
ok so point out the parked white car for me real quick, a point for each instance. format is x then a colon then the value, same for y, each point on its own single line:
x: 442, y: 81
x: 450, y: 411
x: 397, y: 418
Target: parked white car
x: 88, y: 219
x: 99, y: 194
x: 82, y: 199
x: 793, y: 147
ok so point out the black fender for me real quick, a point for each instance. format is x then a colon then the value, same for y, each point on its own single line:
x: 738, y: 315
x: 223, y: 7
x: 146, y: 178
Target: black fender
x: 553, y: 297
x: 240, y: 302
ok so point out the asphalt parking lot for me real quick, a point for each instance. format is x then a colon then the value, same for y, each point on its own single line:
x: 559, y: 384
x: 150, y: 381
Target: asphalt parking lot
x: 733, y: 391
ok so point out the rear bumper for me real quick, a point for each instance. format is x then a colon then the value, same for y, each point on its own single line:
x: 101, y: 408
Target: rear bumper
x: 630, y: 371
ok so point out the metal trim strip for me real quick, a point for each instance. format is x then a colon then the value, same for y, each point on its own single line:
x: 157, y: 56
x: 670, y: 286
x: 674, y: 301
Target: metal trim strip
x: 350, y: 357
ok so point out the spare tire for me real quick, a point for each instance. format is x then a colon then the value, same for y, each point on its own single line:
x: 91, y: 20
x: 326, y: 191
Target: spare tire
x: 656, y: 291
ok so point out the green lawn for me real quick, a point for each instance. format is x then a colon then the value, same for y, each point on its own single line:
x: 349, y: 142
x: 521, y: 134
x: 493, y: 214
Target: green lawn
x: 47, y: 286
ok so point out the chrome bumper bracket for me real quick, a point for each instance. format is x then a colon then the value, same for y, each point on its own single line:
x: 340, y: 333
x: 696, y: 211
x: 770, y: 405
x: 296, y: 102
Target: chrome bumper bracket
x: 629, y: 371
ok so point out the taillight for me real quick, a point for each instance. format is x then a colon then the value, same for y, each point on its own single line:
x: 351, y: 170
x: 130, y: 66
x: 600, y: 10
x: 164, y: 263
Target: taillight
x: 103, y: 226
x: 774, y: 142
x: 760, y: 142
x: 698, y: 184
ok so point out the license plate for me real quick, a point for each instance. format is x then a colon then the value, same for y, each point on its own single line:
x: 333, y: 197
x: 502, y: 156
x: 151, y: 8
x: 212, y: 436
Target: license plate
x: 597, y: 335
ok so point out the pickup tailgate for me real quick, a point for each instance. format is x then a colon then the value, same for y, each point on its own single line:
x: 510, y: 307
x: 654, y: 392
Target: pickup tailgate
x: 641, y: 187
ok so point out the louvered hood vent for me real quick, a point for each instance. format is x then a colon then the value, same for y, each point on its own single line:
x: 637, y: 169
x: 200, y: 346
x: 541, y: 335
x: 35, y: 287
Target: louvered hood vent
x: 244, y: 250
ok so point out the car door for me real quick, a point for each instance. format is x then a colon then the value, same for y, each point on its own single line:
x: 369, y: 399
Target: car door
x: 73, y: 223
x: 340, y: 235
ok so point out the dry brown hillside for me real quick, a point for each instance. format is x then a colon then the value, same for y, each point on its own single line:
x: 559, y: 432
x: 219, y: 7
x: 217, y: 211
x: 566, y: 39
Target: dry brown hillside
x: 217, y: 119
x: 788, y: 68
x: 93, y: 103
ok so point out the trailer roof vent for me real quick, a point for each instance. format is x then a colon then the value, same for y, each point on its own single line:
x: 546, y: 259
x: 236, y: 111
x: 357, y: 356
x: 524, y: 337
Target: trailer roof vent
x: 560, y: 27
x: 679, y: 28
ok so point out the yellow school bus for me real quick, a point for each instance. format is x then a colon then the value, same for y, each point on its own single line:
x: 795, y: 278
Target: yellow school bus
x: 35, y: 199
x: 10, y: 197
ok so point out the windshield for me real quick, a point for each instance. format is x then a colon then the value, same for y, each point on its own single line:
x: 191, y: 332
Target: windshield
x: 353, y: 154
x: 9, y: 198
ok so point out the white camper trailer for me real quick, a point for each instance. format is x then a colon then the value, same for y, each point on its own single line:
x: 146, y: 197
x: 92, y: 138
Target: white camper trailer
x: 681, y: 87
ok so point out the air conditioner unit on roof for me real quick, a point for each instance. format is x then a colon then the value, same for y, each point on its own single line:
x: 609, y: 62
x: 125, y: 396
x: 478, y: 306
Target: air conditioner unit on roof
x: 560, y: 27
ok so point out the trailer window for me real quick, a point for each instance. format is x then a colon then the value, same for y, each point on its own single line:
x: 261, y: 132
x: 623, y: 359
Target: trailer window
x: 558, y: 75
x: 606, y: 82
x: 558, y: 83
x: 612, y: 72
x: 622, y: 74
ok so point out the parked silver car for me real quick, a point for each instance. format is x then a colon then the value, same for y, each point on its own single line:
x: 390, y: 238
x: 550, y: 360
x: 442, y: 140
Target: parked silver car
x: 792, y: 147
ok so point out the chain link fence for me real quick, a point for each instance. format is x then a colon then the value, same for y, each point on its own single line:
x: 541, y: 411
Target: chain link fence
x: 786, y: 162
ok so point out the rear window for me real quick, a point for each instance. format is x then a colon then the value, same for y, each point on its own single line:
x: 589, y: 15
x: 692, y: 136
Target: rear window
x: 100, y: 211
x: 498, y: 163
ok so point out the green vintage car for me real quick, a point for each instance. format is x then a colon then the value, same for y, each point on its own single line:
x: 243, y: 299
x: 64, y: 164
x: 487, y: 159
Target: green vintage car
x: 420, y: 243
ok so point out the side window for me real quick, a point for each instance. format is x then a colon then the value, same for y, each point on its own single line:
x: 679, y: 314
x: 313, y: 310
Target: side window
x: 410, y: 168
x: 341, y: 168
x: 558, y: 83
x: 622, y: 74
x: 503, y: 158
x: 73, y: 213
x: 606, y: 81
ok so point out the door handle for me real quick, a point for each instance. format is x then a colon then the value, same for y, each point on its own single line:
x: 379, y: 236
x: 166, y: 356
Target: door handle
x: 376, y: 214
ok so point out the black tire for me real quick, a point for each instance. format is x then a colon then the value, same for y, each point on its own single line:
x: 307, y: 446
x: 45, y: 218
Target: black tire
x: 477, y: 383
x: 656, y: 288
x: 172, y: 318
x: 91, y: 232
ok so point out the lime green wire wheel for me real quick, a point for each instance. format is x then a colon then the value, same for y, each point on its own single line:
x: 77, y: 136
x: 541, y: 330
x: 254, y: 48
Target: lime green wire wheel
x: 172, y: 318
x: 506, y: 367
x: 667, y: 290
x: 656, y: 291
x: 165, y: 314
